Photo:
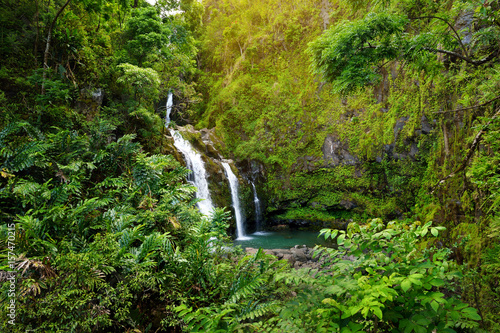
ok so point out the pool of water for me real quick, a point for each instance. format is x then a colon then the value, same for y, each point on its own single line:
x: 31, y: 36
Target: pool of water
x: 280, y: 239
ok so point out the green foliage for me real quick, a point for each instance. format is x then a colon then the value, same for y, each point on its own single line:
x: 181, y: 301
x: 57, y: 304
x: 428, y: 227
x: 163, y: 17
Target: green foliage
x: 248, y: 297
x: 345, y: 54
x: 112, y: 231
x: 485, y: 171
x: 145, y: 34
x: 350, y: 54
x: 142, y: 82
x: 380, y: 279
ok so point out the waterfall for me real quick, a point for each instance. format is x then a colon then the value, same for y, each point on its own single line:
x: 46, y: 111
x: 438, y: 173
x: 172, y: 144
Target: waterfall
x: 170, y: 102
x: 233, y: 184
x: 258, y: 209
x: 194, y: 163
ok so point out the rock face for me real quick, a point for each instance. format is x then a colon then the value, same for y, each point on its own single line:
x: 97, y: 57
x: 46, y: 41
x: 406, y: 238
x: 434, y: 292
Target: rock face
x: 90, y: 100
x: 336, y: 152
x: 410, y: 144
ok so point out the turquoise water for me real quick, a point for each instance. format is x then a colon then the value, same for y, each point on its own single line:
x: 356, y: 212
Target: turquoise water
x: 280, y: 239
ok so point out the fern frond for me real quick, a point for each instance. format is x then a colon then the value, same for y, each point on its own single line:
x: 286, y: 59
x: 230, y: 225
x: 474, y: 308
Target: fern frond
x: 112, y: 182
x: 88, y: 205
x: 78, y: 245
x: 26, y: 188
x: 25, y: 156
x: 33, y: 132
x: 118, y: 219
x: 10, y: 129
x: 254, y: 311
x: 245, y: 288
x: 59, y: 195
x: 128, y: 237
x: 151, y: 243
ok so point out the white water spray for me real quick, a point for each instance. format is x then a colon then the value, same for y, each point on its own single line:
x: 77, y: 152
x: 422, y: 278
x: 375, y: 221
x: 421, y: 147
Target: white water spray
x: 258, y: 209
x: 198, y: 177
x: 233, y: 184
x: 170, y: 102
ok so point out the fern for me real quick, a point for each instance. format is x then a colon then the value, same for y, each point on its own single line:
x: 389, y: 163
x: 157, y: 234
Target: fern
x: 10, y: 129
x: 128, y: 237
x: 78, y: 244
x: 124, y: 147
x: 25, y: 156
x: 259, y: 310
x: 298, y: 276
x: 99, y: 132
x: 151, y: 243
x: 118, y: 219
x: 101, y: 156
x: 117, y: 182
x: 26, y: 188
x: 59, y: 195
x: 244, y: 288
x: 33, y: 132
x: 85, y: 208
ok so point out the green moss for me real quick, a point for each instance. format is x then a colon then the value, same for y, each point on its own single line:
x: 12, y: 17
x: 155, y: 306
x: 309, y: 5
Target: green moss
x: 307, y: 214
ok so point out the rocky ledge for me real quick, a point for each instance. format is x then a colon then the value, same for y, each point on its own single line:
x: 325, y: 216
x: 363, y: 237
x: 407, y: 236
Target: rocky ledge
x: 298, y: 256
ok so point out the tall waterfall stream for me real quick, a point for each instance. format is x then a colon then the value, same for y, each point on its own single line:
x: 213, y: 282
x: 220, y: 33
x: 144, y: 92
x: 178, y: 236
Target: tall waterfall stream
x: 198, y: 177
x: 233, y: 183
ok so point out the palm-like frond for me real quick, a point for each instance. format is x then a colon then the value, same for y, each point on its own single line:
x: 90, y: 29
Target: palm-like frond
x: 148, y: 171
x: 151, y: 243
x: 33, y: 234
x: 254, y: 310
x: 24, y: 265
x: 128, y: 236
x: 244, y: 288
x: 10, y: 129
x: 24, y: 156
x: 116, y: 182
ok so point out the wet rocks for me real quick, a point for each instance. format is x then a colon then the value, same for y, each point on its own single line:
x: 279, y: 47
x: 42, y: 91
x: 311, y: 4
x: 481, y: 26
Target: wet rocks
x: 297, y: 256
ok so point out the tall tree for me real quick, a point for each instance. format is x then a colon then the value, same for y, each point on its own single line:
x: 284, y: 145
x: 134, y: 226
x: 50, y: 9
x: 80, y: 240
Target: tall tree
x: 47, y: 44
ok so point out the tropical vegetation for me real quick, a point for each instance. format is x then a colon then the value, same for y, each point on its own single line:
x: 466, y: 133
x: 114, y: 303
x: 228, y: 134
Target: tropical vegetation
x: 381, y: 117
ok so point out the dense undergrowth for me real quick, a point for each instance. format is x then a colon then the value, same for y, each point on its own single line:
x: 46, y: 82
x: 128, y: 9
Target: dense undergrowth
x: 101, y: 230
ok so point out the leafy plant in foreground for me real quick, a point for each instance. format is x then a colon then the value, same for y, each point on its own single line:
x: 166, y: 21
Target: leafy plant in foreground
x: 381, y: 279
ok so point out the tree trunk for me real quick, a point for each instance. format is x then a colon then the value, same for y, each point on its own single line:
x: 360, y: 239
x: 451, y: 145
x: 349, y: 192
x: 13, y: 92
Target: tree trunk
x: 37, y: 19
x: 446, y: 141
x: 47, y: 45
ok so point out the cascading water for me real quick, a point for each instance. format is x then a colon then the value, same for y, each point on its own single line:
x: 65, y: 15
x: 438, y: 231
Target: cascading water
x: 194, y: 163
x: 170, y: 102
x: 233, y: 184
x: 258, y: 209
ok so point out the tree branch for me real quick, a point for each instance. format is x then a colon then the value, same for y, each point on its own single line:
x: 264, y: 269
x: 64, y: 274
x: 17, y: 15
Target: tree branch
x: 448, y: 53
x: 472, y: 148
x: 451, y: 27
x: 470, y: 107
x: 470, y: 61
